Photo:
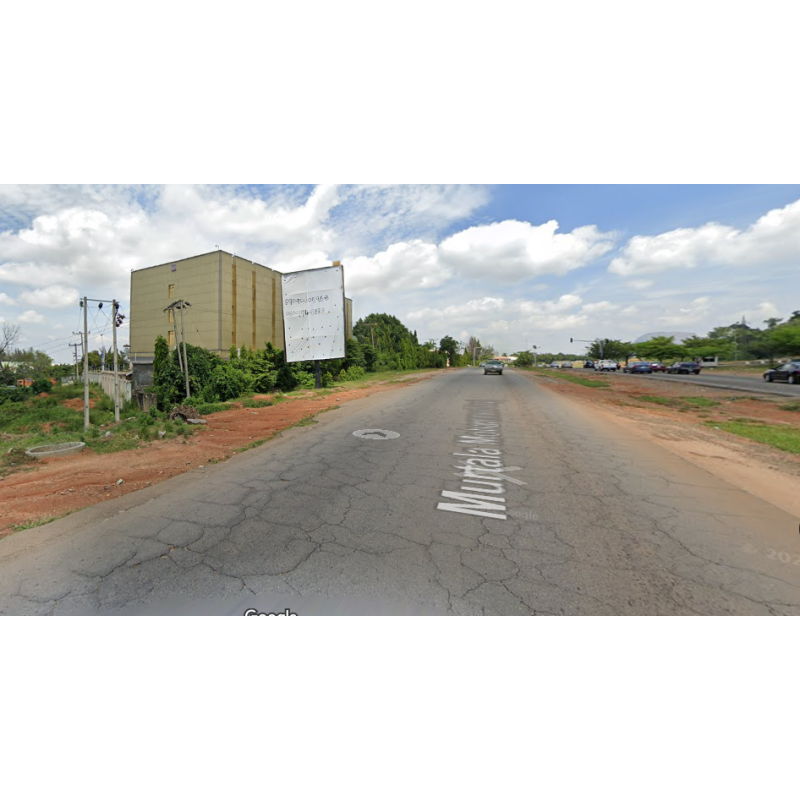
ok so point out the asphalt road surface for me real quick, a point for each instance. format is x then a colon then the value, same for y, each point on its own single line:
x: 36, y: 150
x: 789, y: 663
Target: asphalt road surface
x: 495, y: 497
x: 735, y: 383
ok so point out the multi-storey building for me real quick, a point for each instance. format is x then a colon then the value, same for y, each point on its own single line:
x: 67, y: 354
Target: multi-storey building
x: 234, y: 302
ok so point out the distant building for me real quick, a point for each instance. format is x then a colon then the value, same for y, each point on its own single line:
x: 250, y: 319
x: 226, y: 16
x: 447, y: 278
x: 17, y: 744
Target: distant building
x: 234, y: 302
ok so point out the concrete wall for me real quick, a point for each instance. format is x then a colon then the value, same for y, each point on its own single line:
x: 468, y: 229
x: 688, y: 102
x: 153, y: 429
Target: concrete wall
x: 142, y: 374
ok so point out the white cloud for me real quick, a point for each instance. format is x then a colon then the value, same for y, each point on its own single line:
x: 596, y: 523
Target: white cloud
x: 6, y: 300
x: 31, y: 316
x: 773, y: 238
x: 512, y: 250
x: 644, y: 284
x: 494, y: 314
x: 602, y: 305
x: 693, y: 312
x: 755, y: 315
x: 402, y: 266
x: 51, y: 297
x: 501, y: 252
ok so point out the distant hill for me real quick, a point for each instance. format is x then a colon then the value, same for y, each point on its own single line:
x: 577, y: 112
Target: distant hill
x: 677, y: 336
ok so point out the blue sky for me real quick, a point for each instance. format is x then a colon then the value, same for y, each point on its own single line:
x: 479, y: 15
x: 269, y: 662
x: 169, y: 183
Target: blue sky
x: 515, y: 265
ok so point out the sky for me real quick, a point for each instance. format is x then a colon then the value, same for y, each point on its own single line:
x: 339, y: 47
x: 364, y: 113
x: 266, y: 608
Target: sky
x: 515, y: 265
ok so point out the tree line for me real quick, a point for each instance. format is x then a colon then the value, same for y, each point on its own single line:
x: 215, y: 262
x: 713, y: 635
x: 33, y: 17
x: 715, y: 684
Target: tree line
x: 735, y: 342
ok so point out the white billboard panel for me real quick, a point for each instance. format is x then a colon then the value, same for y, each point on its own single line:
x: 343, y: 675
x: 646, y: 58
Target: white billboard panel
x: 313, y: 314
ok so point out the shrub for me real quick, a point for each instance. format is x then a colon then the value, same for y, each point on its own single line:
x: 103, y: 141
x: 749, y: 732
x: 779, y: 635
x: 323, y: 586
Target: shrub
x: 41, y: 385
x: 265, y: 381
x: 352, y: 374
x: 327, y: 379
x: 306, y: 380
x: 227, y: 382
x: 287, y: 379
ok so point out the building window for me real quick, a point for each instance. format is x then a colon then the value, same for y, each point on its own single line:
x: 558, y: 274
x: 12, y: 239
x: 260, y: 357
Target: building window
x: 169, y: 316
x: 171, y: 291
x: 171, y: 338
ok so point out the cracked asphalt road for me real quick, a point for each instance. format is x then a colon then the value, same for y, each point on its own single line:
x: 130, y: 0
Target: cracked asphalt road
x: 322, y: 522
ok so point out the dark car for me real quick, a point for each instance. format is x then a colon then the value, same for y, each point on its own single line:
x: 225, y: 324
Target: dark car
x: 657, y: 366
x: 789, y: 372
x: 493, y: 367
x: 640, y: 368
x: 684, y: 368
x: 588, y: 364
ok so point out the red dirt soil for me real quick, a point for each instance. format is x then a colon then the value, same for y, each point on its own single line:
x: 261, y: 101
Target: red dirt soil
x: 58, y: 486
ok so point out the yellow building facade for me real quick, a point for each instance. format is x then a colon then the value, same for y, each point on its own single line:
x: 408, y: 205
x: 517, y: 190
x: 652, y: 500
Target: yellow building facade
x: 234, y: 302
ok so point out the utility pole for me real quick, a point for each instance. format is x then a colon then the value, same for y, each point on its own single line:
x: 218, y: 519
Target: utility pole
x: 185, y: 357
x: 115, y: 308
x: 74, y: 346
x: 117, y: 320
x: 171, y: 307
x: 85, y: 364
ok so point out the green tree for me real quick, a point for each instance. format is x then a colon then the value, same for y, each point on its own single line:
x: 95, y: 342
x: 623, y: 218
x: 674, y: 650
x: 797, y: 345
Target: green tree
x: 160, y: 363
x: 785, y: 340
x: 659, y: 348
x: 524, y: 359
x: 450, y: 347
x: 612, y: 349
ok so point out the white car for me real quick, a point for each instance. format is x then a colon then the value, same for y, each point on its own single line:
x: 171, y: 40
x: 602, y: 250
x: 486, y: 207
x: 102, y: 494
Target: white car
x: 606, y: 365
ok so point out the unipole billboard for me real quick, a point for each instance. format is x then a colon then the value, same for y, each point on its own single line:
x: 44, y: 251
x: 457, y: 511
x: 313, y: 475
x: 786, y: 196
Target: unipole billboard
x: 314, y: 314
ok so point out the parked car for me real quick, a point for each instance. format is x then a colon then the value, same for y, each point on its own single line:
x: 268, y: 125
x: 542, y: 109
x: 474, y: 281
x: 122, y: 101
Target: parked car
x: 789, y: 372
x: 657, y: 366
x: 684, y: 368
x: 588, y: 364
x: 606, y: 365
x: 641, y: 367
x: 493, y: 367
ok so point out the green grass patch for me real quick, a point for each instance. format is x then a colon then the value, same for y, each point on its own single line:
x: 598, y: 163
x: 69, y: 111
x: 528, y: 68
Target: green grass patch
x: 251, y: 403
x: 749, y: 420
x: 211, y: 408
x: 302, y: 423
x: 571, y: 378
x: 792, y: 405
x: 662, y: 401
x: 782, y: 437
x: 251, y: 445
x: 44, y: 420
x: 34, y: 523
x: 15, y: 460
x: 700, y: 402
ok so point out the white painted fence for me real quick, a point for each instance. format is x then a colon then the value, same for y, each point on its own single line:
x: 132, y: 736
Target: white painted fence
x: 106, y: 381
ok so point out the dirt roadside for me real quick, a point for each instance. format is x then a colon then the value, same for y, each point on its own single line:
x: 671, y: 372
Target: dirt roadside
x: 59, y: 486
x: 764, y: 471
